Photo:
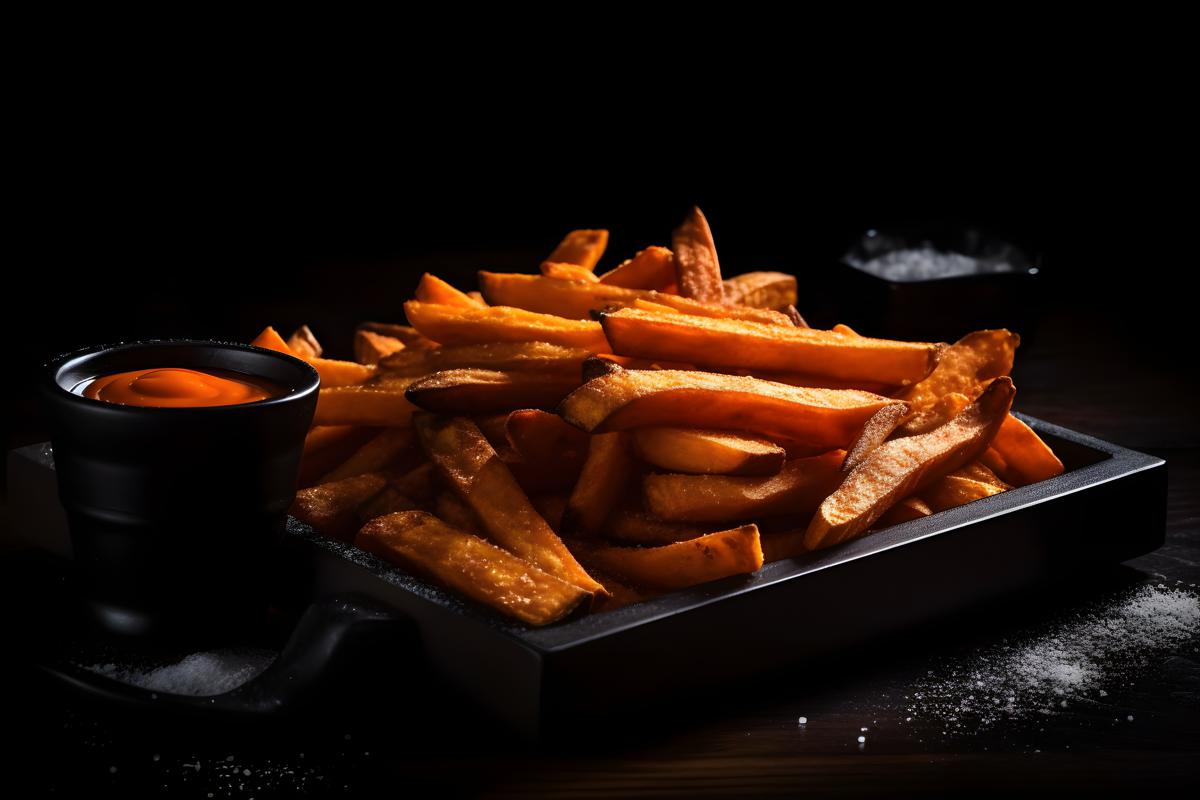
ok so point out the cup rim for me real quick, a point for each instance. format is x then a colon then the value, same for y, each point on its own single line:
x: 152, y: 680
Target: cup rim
x: 303, y: 388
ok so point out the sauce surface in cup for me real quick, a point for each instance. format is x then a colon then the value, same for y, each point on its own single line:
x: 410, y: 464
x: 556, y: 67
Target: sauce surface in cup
x: 177, y: 387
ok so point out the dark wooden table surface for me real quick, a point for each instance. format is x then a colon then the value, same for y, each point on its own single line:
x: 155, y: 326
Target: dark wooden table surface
x: 1136, y: 728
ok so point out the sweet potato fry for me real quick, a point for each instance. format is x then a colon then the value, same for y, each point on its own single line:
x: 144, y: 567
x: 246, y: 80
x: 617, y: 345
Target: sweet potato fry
x: 906, y: 510
x: 406, y: 333
x: 762, y: 290
x: 798, y: 489
x: 383, y: 450
x: 637, y: 527
x: 652, y: 268
x: 383, y: 405
x: 947, y: 407
x: 336, y: 373
x: 579, y: 300
x: 417, y: 483
x: 433, y: 289
x: 1027, y: 459
x: 326, y: 446
x: 371, y: 347
x: 465, y: 460
x: 540, y: 356
x: 845, y: 330
x: 675, y: 566
x: 697, y: 270
x: 389, y: 501
x: 699, y: 452
x: 271, y: 340
x: 966, y: 367
x: 303, y: 343
x: 878, y: 428
x: 606, y: 474
x: 538, y: 436
x: 582, y: 247
x: 471, y: 566
x: 742, y: 344
x: 454, y: 325
x: 794, y: 315
x: 568, y: 272
x: 904, y: 466
x: 821, y: 419
x: 621, y: 593
x: 331, y: 507
x: 958, y: 488
x: 484, y: 391
x: 449, y: 507
x: 813, y: 381
x: 551, y: 507
x: 781, y: 545
x: 332, y: 371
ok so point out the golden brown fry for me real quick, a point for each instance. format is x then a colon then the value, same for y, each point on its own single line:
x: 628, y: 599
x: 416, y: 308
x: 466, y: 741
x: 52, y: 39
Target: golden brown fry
x: 967, y: 366
x: 845, y: 330
x: 745, y: 345
x: 906, y: 510
x: 471, y: 467
x: 606, y: 474
x: 579, y: 300
x: 304, y: 344
x: 795, y: 317
x: 433, y: 289
x: 484, y: 391
x: 820, y: 419
x: 1027, y: 459
x: 878, y: 428
x: 638, y: 527
x: 652, y: 268
x: 383, y: 450
x: 568, y: 272
x: 331, y: 507
x: 699, y: 452
x: 581, y: 247
x: 455, y: 512
x: 539, y: 356
x: 621, y: 593
x: 945, y: 409
x: 371, y: 347
x: 469, y: 565
x: 958, y: 488
x: 903, y: 466
x: 326, y: 446
x: 271, y: 340
x: 538, y: 436
x: 477, y: 297
x: 784, y: 544
x: 417, y: 483
x: 389, y: 501
x: 798, y: 489
x: 551, y: 505
x: 336, y: 373
x: 406, y: 333
x: 762, y: 290
x: 453, y: 325
x: 697, y: 270
x: 681, y: 564
x: 383, y: 405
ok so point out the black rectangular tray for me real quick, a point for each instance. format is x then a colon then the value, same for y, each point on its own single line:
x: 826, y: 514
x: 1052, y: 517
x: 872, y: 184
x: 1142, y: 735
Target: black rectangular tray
x: 1108, y: 506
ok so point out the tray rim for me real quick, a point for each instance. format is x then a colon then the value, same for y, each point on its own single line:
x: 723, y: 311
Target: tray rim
x: 1120, y: 462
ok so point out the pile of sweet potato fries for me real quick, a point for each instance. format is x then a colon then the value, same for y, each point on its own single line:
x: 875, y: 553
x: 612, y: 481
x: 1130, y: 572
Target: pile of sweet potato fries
x: 568, y: 439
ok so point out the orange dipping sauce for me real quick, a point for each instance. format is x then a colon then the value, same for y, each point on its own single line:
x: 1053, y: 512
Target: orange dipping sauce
x: 176, y: 387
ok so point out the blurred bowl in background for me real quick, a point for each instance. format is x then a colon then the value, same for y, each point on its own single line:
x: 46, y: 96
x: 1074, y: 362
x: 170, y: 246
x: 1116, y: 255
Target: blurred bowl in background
x: 935, y: 284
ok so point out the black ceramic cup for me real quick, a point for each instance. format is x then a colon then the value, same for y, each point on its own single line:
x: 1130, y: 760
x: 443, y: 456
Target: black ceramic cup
x: 176, y: 513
